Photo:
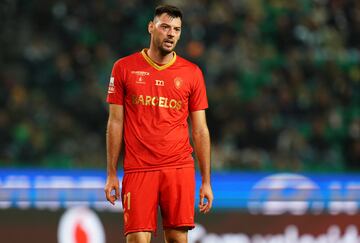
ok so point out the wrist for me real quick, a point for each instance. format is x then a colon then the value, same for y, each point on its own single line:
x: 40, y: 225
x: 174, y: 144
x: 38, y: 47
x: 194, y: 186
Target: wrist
x: 111, y: 172
x: 205, y: 182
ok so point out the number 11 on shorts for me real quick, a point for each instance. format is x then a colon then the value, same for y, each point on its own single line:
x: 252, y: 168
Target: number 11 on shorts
x: 127, y: 197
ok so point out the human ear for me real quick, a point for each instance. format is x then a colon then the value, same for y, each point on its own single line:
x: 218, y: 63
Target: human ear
x: 150, y: 27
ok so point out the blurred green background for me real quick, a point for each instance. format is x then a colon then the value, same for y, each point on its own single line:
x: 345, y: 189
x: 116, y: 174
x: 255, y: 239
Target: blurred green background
x: 282, y: 78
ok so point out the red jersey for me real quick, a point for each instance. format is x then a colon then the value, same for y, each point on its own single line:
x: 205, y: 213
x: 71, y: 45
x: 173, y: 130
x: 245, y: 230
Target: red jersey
x: 157, y: 101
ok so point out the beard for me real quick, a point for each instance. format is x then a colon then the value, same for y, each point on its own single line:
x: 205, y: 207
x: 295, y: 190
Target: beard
x: 163, y: 50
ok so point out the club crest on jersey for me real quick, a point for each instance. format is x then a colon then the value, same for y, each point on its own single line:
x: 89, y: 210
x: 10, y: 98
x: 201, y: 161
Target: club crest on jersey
x: 178, y: 82
x: 140, y: 76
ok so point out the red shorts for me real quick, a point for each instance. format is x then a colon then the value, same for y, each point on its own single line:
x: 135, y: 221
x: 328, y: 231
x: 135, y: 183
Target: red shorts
x: 171, y: 189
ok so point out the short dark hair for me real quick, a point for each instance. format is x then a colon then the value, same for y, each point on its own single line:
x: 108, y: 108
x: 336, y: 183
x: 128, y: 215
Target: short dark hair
x: 172, y: 11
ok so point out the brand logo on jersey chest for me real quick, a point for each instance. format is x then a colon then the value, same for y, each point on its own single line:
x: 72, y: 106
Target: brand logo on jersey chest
x: 159, y: 82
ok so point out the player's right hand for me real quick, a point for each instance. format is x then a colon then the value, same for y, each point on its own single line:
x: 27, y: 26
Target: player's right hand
x: 112, y: 184
x: 206, y: 193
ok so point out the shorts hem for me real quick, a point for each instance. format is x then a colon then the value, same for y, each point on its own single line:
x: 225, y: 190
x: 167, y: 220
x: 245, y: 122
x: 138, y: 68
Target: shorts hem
x: 190, y: 226
x: 139, y: 230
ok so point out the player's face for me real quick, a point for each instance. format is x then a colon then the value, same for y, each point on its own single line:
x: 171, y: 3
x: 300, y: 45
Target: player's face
x: 165, y: 32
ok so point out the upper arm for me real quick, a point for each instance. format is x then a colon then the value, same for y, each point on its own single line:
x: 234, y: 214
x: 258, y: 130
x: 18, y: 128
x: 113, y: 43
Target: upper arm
x: 198, y: 99
x: 116, y: 113
x: 116, y: 88
x: 198, y: 120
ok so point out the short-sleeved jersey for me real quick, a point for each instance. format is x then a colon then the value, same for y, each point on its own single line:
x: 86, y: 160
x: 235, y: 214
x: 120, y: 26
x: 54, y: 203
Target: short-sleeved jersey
x: 157, y: 101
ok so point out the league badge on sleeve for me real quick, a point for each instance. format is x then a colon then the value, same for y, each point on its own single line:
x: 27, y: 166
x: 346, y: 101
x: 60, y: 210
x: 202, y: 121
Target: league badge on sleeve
x: 111, y: 89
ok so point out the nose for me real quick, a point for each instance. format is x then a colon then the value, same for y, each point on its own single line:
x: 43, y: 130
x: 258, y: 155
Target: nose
x: 171, y: 32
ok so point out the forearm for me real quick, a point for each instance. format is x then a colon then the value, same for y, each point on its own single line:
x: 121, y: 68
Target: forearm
x: 113, y: 145
x: 201, y: 140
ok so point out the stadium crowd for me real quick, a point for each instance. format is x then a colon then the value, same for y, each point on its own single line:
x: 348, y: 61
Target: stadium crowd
x: 283, y: 79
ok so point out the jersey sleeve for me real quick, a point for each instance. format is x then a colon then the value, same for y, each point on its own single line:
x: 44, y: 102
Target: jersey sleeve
x: 115, y: 93
x: 198, y: 99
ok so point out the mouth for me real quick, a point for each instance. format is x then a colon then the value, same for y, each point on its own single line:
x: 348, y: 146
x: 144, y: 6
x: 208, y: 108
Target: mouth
x: 168, y: 43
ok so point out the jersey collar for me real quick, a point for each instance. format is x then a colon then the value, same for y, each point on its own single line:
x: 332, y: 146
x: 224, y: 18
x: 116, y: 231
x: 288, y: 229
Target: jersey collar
x: 154, y: 64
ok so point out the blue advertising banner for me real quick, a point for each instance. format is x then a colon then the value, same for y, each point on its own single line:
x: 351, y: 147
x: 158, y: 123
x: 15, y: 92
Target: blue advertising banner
x: 257, y: 193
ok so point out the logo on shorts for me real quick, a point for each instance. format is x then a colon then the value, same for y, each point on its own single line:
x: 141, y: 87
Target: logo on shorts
x: 178, y: 82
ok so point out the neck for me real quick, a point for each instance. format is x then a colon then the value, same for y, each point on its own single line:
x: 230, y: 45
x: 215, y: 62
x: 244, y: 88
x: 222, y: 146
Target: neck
x: 159, y: 57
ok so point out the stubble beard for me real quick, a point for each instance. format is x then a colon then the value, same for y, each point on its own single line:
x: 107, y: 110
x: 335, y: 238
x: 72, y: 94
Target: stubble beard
x: 164, y: 51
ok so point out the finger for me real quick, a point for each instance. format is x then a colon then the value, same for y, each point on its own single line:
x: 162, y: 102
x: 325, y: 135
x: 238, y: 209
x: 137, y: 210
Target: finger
x: 109, y: 197
x: 203, y: 207
x: 210, y: 202
x: 201, y: 200
x: 117, y: 192
x: 107, y: 193
x: 112, y: 199
x: 201, y: 203
x: 208, y: 205
x: 207, y: 208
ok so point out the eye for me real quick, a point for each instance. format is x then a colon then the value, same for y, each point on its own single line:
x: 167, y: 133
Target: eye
x: 165, y: 27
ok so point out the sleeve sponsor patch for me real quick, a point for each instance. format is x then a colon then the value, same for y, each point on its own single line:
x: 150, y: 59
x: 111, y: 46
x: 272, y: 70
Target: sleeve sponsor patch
x: 111, y: 88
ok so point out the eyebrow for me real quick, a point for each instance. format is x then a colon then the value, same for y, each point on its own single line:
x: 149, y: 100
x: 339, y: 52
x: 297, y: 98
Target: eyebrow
x: 165, y: 24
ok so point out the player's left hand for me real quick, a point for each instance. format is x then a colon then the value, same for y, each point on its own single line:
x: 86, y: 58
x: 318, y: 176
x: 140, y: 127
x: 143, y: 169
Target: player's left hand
x: 206, y: 198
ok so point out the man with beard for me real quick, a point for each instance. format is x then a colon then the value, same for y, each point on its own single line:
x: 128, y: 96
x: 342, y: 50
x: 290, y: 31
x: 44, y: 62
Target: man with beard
x: 151, y: 94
